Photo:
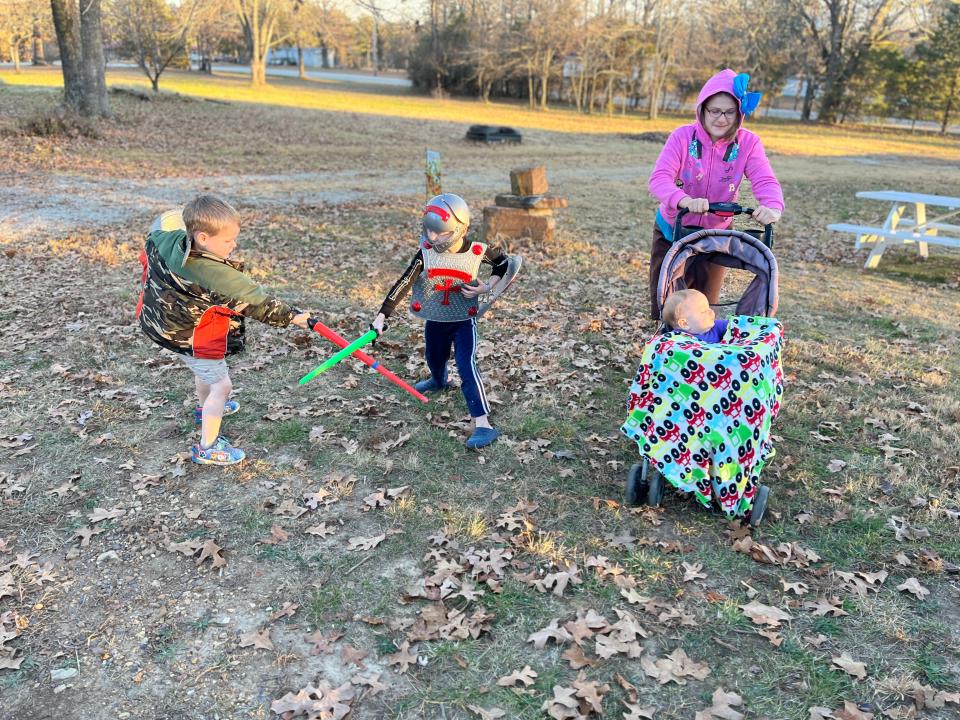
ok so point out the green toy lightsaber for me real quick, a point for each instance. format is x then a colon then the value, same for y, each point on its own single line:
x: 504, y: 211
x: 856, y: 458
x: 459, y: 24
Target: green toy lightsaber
x: 349, y: 350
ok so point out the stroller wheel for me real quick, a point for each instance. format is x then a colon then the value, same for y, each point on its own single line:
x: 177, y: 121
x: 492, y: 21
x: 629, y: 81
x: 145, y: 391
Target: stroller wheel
x: 636, y: 491
x: 654, y: 487
x: 759, y: 505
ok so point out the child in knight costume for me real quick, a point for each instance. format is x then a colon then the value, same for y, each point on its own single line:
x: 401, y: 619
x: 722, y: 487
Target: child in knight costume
x: 446, y: 293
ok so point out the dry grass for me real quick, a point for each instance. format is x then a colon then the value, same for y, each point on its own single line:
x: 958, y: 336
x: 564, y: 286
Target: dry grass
x: 867, y: 354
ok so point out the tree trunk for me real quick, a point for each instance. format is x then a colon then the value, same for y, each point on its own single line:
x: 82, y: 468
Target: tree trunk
x: 94, y: 102
x: 301, y: 68
x: 808, y: 97
x: 948, y: 108
x: 67, y: 25
x: 545, y: 79
x: 15, y: 54
x: 38, y: 52
x: 530, y: 89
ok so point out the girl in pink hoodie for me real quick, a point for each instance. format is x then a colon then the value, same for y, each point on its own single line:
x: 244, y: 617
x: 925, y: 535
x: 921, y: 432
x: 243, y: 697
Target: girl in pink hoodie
x: 705, y: 162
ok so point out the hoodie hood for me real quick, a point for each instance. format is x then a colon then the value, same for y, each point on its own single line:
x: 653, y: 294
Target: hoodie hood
x: 734, y: 85
x: 174, y: 247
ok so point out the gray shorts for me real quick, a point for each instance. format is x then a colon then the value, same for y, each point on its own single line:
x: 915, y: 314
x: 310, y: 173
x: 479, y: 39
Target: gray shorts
x: 207, y: 371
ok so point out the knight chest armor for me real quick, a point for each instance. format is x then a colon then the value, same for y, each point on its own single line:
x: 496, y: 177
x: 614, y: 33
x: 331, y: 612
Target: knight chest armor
x: 437, y: 292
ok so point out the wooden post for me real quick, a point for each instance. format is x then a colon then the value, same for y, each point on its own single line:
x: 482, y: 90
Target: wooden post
x: 529, y: 180
x: 433, y: 174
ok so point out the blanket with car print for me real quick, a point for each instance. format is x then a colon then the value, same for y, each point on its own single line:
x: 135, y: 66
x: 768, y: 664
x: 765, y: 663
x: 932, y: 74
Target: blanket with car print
x: 701, y: 412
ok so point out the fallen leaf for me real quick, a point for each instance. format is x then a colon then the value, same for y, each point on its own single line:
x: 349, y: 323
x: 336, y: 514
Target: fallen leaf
x: 692, y: 572
x: 362, y: 543
x: 526, y: 676
x: 765, y: 614
x: 320, y: 643
x: 850, y: 666
x: 850, y: 711
x: 775, y: 638
x: 403, y: 658
x: 823, y: 608
x: 321, y: 530
x: 676, y: 667
x: 723, y: 707
x: 563, y: 704
x: 257, y: 638
x: 277, y: 536
x: 351, y: 655
x: 211, y: 550
x: 912, y: 585
x: 99, y: 514
x: 288, y: 609
x: 485, y: 714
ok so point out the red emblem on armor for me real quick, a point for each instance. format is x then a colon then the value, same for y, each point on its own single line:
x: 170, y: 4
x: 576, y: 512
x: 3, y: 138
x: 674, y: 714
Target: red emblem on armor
x: 471, y: 311
x: 476, y: 249
x: 427, y: 245
x: 415, y: 306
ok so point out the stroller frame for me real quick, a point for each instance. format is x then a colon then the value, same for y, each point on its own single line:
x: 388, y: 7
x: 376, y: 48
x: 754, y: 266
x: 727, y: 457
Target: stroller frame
x: 739, y: 249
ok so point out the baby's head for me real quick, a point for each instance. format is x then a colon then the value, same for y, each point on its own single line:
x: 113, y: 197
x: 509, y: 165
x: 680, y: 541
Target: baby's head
x: 212, y: 224
x: 690, y: 311
x: 445, y: 221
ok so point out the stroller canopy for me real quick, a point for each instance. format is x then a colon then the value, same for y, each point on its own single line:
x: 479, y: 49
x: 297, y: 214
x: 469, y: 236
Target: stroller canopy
x: 730, y: 248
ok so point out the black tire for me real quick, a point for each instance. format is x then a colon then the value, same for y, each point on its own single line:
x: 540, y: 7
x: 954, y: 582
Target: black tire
x: 654, y: 488
x: 636, y: 490
x: 759, y: 508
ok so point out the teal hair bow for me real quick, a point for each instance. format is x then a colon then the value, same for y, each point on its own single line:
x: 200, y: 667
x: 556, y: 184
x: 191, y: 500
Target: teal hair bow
x: 748, y: 100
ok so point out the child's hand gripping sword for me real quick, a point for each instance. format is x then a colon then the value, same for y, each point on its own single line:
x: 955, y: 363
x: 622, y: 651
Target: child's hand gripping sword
x: 337, y: 340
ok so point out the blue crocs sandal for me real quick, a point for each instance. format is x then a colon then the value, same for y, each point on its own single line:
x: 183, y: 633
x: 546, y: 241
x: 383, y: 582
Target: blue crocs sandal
x: 229, y: 408
x: 220, y: 453
x: 482, y: 437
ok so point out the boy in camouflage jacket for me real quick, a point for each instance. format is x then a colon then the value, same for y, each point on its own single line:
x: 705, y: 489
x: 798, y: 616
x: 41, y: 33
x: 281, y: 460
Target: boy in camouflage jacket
x: 193, y: 296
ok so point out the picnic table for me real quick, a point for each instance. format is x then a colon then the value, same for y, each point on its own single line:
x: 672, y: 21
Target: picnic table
x: 900, y: 228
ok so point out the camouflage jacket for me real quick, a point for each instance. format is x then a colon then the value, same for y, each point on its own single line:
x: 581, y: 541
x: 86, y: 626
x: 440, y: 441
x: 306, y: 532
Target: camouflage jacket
x: 194, y: 303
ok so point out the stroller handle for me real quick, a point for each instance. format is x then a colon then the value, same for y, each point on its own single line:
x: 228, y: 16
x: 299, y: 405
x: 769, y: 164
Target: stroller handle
x: 723, y: 209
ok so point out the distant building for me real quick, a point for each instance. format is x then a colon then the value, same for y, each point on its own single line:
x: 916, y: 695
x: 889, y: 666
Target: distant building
x: 314, y: 58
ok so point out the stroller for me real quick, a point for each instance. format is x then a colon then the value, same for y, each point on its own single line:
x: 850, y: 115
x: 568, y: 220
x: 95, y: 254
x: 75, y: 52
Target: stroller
x: 750, y: 250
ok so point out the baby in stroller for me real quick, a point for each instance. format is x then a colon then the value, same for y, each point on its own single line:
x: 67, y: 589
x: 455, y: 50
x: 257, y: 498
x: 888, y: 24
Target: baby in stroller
x: 707, y: 391
x: 690, y: 311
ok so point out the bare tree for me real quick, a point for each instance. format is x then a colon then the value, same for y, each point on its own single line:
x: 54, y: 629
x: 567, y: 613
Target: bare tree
x: 664, y: 30
x: 208, y: 33
x: 549, y: 34
x: 18, y: 19
x: 843, y: 32
x: 260, y: 20
x: 153, y: 32
x: 80, y: 39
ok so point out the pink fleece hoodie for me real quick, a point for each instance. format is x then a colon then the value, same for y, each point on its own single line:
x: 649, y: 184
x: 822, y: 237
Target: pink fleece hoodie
x: 692, y: 165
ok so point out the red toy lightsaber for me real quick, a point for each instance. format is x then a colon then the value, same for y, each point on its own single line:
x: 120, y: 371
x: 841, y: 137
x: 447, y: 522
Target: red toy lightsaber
x: 333, y: 337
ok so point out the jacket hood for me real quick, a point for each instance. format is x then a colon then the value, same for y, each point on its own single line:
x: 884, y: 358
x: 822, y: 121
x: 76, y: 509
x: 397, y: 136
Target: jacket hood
x: 734, y: 85
x: 174, y: 247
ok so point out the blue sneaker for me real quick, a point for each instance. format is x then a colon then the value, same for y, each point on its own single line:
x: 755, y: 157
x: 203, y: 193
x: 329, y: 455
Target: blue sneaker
x: 482, y: 436
x: 229, y: 408
x: 220, y: 453
x: 430, y: 385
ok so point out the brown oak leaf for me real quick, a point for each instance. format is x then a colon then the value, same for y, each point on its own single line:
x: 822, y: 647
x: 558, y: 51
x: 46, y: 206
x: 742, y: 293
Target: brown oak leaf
x: 850, y: 666
x: 526, y: 676
x: 257, y: 638
x: 913, y: 586
x: 403, y: 658
x: 362, y: 543
x: 723, y: 707
x: 765, y: 614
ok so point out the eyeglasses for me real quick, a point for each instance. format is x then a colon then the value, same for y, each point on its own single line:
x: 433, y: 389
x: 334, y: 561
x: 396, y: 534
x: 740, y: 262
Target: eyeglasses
x: 715, y: 113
